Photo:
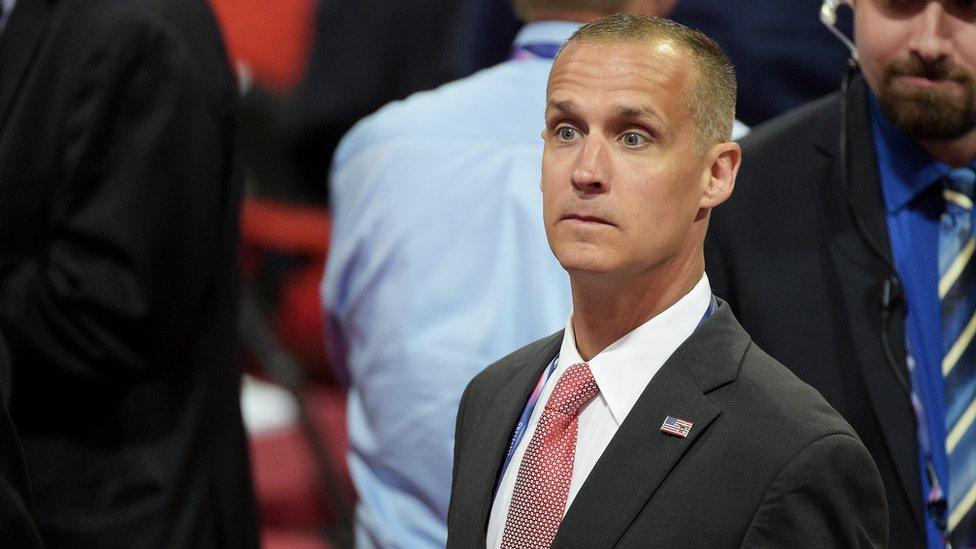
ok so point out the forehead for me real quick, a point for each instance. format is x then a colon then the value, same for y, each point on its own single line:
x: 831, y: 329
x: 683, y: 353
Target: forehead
x: 654, y: 71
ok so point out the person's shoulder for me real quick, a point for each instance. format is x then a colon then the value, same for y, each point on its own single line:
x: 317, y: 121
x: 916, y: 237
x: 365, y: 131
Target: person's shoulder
x: 503, y: 104
x: 85, y: 17
x: 780, y: 402
x: 803, y: 124
x: 141, y: 31
x: 782, y: 162
x: 805, y: 458
x: 757, y: 394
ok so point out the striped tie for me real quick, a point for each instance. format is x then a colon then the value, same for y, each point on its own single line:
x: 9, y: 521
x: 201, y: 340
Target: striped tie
x: 957, y: 291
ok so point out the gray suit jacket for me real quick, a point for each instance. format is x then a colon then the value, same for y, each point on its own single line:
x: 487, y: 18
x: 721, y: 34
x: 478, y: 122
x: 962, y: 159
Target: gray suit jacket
x: 767, y: 463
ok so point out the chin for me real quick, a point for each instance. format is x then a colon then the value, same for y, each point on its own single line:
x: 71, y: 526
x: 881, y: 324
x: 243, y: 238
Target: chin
x: 591, y: 263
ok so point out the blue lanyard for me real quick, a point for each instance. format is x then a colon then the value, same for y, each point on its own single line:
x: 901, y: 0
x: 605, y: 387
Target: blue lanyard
x: 523, y: 422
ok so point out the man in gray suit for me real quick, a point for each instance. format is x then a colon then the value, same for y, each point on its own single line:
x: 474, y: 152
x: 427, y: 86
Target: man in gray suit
x: 652, y: 420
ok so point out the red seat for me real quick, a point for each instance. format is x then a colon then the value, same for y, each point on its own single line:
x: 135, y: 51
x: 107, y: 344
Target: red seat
x: 300, y: 488
x: 287, y: 483
x: 273, y: 37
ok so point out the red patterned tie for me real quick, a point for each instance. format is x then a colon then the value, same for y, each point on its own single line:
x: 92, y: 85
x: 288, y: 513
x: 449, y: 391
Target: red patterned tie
x: 542, y: 484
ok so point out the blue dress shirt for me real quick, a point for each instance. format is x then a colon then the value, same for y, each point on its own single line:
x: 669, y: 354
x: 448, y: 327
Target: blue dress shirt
x: 914, y: 204
x: 438, y: 266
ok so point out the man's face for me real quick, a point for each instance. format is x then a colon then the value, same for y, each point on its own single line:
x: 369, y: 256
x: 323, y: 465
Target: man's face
x: 919, y: 57
x: 621, y: 180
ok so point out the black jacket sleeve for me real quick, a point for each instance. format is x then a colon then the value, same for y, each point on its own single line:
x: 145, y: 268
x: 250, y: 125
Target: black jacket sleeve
x: 136, y: 216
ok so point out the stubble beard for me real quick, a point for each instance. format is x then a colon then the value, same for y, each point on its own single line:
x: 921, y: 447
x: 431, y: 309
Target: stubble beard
x: 929, y: 113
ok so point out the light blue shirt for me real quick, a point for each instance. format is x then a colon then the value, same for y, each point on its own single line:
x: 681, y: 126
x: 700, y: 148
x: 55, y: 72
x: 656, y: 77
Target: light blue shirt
x: 438, y: 266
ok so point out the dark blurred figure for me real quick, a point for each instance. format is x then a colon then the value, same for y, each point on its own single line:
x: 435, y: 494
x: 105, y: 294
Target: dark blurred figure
x: 118, y: 280
x: 782, y: 54
x: 369, y: 52
x: 17, y: 529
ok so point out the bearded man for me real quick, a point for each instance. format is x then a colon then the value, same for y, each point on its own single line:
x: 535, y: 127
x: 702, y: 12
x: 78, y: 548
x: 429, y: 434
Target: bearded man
x: 847, y: 253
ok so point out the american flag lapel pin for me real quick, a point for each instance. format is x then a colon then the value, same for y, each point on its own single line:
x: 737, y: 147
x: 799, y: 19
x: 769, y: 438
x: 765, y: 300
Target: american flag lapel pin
x: 676, y: 426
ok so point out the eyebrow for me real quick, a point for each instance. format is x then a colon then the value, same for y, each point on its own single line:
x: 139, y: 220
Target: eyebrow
x: 637, y: 112
x: 565, y: 106
x: 623, y: 111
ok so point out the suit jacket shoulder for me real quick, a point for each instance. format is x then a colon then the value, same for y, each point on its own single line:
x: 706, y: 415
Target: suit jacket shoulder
x: 779, y: 399
x: 180, y: 32
x: 817, y: 457
x: 806, y: 124
x: 794, y: 152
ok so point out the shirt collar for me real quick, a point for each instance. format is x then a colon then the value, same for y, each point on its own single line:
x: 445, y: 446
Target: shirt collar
x: 544, y: 32
x: 624, y: 369
x: 906, y: 169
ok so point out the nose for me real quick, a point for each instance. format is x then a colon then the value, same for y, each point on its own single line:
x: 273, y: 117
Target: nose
x: 930, y: 39
x: 590, y: 171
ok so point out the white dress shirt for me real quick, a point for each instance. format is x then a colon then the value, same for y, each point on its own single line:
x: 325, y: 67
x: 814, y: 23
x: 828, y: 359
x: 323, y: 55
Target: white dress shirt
x: 621, y: 371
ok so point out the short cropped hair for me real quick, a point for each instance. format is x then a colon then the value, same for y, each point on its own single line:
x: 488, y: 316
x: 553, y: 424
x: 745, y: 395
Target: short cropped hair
x: 525, y: 8
x: 711, y: 102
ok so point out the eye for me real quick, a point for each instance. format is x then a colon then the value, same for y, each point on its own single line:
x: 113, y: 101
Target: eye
x: 566, y: 133
x: 634, y: 139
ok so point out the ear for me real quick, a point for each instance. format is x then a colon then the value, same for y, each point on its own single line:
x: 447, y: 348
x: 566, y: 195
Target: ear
x: 723, y: 161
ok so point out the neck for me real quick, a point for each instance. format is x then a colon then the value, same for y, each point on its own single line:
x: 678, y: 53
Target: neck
x: 606, y: 307
x: 956, y: 153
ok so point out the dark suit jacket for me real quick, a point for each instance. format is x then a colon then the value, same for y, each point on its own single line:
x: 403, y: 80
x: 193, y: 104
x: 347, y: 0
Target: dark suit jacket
x: 118, y: 279
x: 788, y: 254
x: 767, y: 461
x: 17, y: 528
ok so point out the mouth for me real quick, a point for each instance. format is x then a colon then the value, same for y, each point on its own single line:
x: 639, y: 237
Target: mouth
x: 917, y: 74
x: 926, y: 82
x: 586, y: 219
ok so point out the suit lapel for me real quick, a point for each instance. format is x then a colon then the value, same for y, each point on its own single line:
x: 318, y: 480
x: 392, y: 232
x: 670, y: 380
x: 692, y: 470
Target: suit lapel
x: 640, y: 456
x: 19, y: 42
x: 861, y: 273
x: 502, y: 415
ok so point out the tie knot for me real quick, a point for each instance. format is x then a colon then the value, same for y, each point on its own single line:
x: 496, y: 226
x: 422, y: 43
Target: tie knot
x: 575, y: 388
x: 959, y: 186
